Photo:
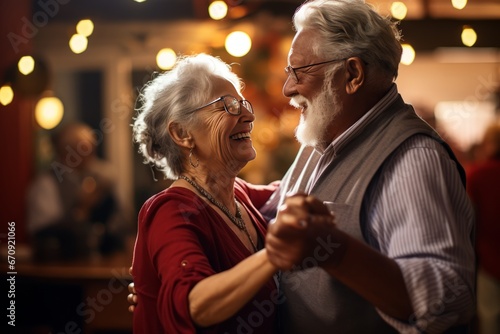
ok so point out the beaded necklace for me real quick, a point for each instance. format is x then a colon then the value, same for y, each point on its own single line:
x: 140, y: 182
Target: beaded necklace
x: 236, y: 220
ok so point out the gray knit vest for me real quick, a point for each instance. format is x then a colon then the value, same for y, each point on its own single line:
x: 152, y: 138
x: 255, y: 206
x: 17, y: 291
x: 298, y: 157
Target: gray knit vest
x: 315, y: 302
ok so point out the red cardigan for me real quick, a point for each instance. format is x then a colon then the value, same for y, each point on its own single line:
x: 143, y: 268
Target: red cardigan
x: 182, y: 240
x: 483, y: 186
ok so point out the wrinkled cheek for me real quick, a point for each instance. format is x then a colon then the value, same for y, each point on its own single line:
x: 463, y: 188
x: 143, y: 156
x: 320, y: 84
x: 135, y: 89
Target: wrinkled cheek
x: 223, y: 150
x: 226, y: 153
x: 215, y: 135
x: 218, y: 147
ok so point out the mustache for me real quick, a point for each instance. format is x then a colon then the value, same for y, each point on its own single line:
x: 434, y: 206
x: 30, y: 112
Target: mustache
x: 298, y: 101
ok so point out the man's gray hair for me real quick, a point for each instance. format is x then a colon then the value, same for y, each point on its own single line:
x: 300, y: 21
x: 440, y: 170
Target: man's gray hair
x: 349, y: 28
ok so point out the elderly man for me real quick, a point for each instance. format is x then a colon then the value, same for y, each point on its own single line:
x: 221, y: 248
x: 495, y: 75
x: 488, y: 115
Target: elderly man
x: 399, y: 256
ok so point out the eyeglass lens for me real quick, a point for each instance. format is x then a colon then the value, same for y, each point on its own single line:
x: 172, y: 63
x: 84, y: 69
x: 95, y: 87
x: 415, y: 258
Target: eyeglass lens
x: 291, y: 73
x: 233, y: 106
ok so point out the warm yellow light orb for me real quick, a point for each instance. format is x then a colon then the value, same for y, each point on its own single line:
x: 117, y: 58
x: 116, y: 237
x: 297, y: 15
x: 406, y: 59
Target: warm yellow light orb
x: 398, y: 10
x: 49, y: 112
x: 166, y: 58
x: 408, y: 55
x: 459, y: 4
x: 78, y: 43
x: 6, y: 95
x: 85, y: 27
x: 469, y: 36
x: 217, y: 10
x: 26, y: 65
x: 238, y: 43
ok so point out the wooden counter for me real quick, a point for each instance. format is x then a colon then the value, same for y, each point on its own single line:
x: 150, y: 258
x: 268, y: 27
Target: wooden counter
x: 87, y: 296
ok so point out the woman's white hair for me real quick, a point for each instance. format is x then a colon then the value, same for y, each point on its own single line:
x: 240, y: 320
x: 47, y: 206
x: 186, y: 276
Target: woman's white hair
x: 170, y: 97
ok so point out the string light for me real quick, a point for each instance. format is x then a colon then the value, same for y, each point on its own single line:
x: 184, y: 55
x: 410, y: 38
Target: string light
x: 469, y: 36
x: 408, y: 55
x: 85, y: 27
x: 78, y: 43
x: 166, y: 58
x: 49, y: 112
x: 217, y: 10
x: 238, y: 43
x: 459, y: 4
x: 26, y: 65
x: 398, y: 10
x: 6, y: 95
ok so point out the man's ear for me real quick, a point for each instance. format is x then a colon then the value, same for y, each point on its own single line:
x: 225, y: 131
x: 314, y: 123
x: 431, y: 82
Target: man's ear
x: 180, y: 135
x: 355, y: 71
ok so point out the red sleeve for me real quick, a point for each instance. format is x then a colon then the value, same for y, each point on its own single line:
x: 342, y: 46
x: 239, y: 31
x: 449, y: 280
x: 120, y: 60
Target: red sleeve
x: 258, y: 194
x: 172, y: 242
x: 181, y: 241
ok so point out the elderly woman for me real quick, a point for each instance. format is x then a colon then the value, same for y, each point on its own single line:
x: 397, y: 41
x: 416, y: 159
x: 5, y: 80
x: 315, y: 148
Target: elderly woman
x: 199, y: 263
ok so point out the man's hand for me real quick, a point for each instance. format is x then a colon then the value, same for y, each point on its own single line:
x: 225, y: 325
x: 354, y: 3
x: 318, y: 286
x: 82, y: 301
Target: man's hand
x: 303, y: 224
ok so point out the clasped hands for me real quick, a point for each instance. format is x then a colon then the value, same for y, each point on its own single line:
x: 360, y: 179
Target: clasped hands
x: 303, y: 234
x: 303, y: 231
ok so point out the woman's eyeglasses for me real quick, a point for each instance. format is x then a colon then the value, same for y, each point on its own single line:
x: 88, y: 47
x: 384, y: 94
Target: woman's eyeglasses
x: 231, y: 105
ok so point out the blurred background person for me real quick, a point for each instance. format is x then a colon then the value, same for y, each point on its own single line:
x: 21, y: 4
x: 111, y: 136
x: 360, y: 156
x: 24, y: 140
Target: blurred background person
x: 72, y: 209
x: 483, y: 186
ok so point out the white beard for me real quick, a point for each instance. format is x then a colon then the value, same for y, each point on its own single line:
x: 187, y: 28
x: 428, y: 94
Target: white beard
x: 321, y: 112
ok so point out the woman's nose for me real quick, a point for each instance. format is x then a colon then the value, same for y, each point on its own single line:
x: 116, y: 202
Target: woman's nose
x: 246, y: 115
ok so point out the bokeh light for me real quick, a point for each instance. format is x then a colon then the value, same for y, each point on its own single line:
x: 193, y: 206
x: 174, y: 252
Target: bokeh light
x: 49, y: 112
x: 78, y: 43
x: 459, y: 4
x: 166, y: 58
x: 217, y: 10
x: 408, y: 55
x: 6, y: 95
x: 398, y: 10
x: 26, y: 65
x: 469, y: 36
x: 238, y: 43
x: 85, y: 27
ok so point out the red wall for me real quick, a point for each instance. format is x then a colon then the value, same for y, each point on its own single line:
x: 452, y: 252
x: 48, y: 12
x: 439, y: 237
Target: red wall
x: 16, y: 124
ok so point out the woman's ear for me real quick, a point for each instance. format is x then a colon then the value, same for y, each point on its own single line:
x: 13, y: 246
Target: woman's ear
x: 355, y: 74
x: 180, y: 135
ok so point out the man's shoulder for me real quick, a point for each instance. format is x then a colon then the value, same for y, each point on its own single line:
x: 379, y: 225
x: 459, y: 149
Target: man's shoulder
x: 420, y: 140
x: 420, y: 152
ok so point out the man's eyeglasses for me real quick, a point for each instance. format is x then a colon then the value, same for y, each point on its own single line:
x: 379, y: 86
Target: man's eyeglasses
x: 291, y: 70
x: 231, y: 105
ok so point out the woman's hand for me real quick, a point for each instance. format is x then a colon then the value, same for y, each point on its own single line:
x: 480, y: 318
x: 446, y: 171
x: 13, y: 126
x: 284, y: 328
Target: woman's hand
x: 132, y: 296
